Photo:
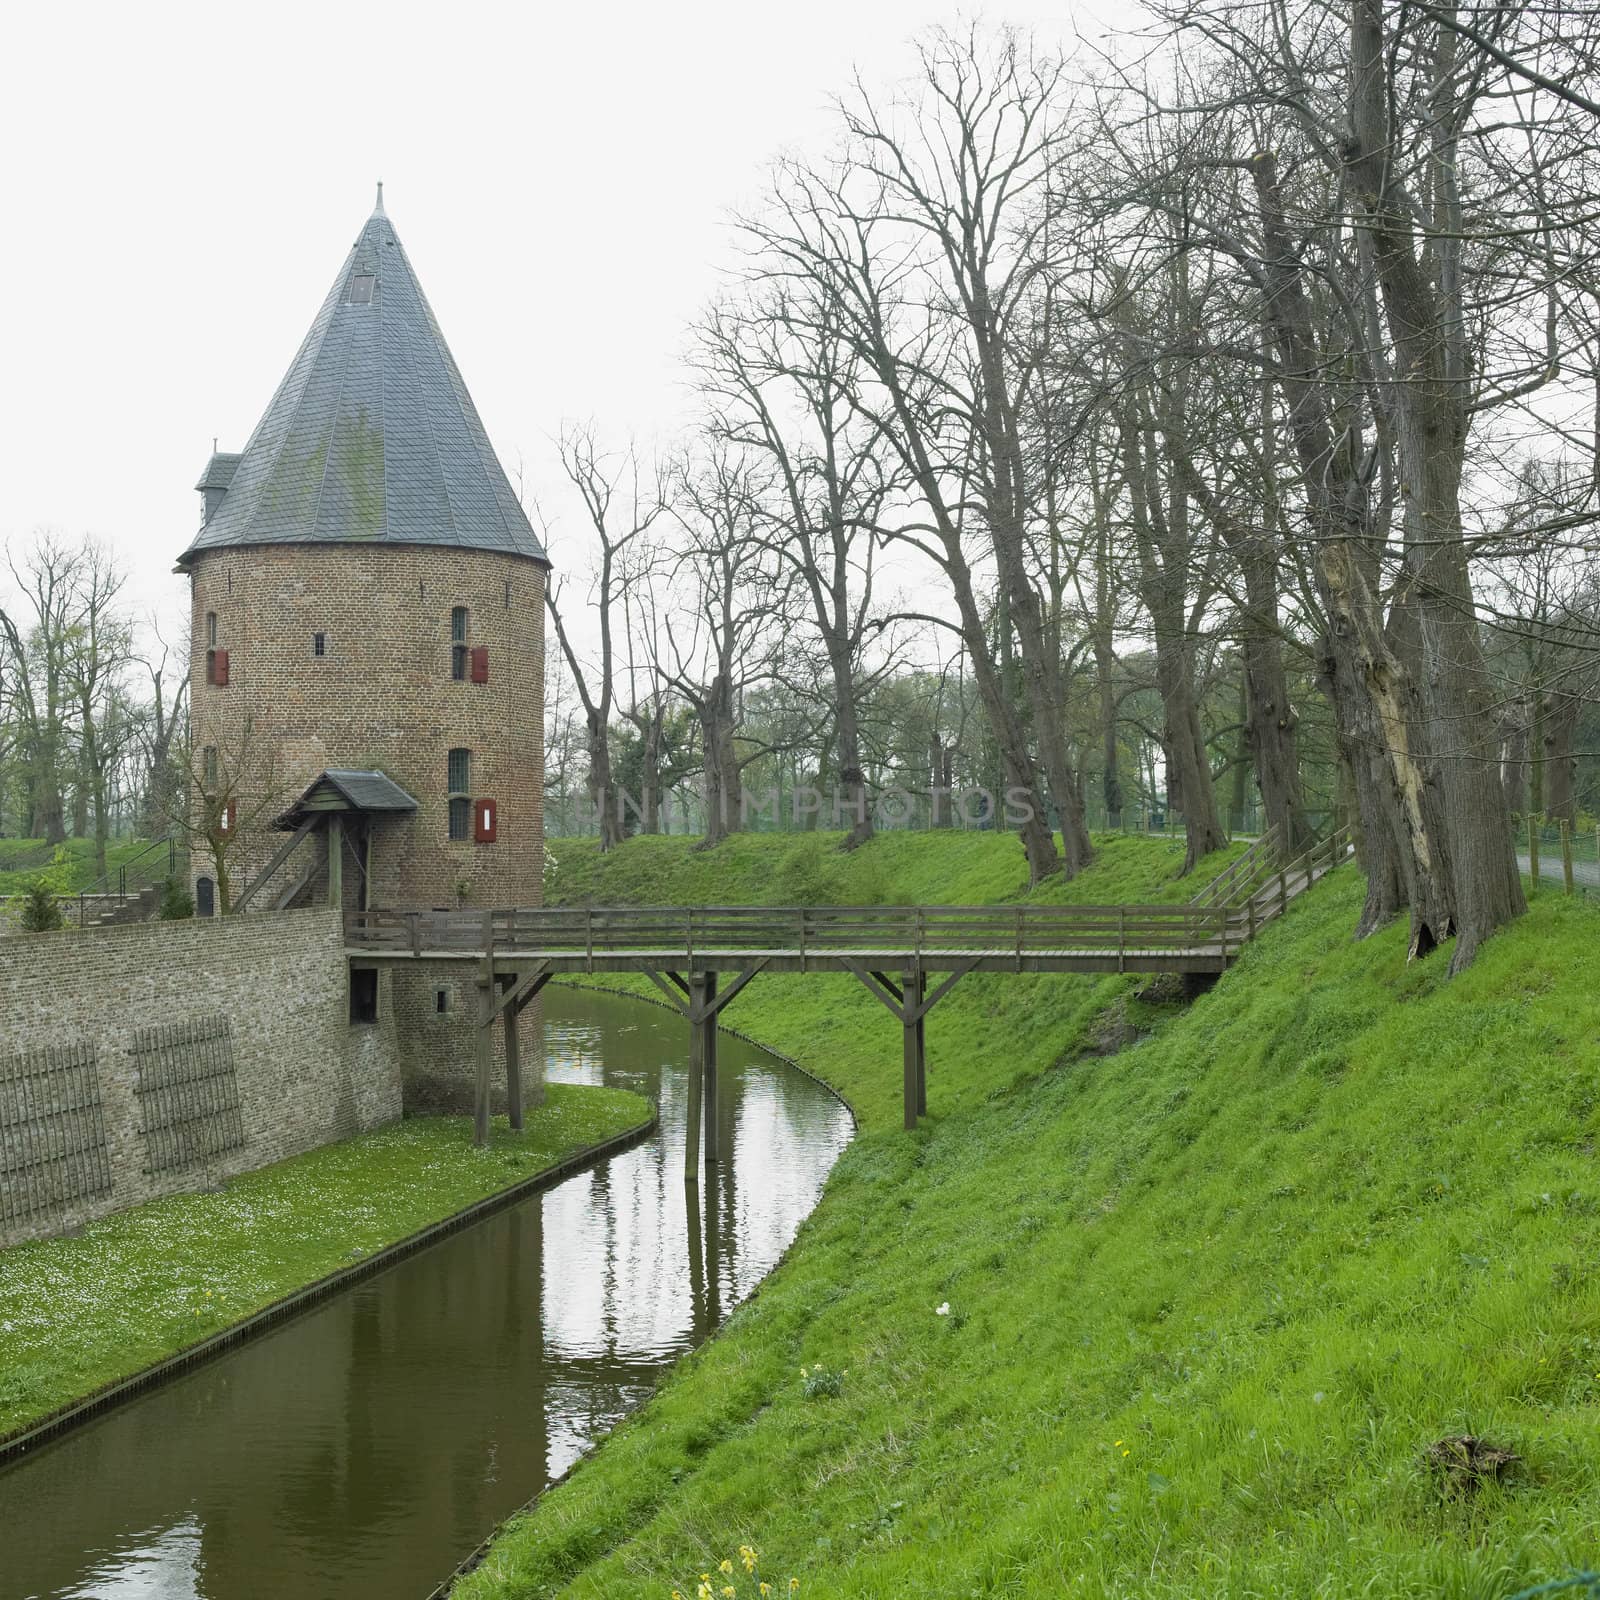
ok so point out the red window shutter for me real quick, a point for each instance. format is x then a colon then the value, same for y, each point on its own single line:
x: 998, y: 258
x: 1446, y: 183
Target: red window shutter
x: 220, y: 674
x: 483, y: 821
x: 480, y: 663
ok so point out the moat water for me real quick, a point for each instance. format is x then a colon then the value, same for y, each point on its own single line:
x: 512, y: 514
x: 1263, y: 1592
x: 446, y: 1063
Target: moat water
x: 363, y: 1449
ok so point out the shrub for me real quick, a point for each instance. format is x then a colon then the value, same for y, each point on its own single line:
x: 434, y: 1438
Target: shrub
x: 177, y: 904
x: 41, y: 911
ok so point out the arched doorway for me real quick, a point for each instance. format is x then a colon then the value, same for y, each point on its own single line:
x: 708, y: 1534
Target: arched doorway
x: 205, y: 897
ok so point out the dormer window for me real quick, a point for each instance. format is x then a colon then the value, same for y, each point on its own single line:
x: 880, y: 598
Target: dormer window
x: 361, y: 287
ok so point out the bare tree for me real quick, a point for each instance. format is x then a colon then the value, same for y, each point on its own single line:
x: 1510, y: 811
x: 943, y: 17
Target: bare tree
x: 779, y: 379
x: 622, y: 500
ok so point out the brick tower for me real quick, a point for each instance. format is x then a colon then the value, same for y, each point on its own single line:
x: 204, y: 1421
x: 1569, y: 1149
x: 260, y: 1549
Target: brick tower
x: 366, y: 679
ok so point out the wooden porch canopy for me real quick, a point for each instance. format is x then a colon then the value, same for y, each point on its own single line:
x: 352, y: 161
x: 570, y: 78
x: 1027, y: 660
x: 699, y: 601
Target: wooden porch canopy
x: 343, y: 789
x: 333, y: 797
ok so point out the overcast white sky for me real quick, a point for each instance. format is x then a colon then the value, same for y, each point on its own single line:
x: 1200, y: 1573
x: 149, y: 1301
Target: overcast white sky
x: 182, y: 183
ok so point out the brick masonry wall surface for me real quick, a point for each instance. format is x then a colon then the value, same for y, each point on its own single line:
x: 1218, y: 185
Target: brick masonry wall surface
x: 438, y: 1049
x: 382, y: 696
x: 305, y: 1075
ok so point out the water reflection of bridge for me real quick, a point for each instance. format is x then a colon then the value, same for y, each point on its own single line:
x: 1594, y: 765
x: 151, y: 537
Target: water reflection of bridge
x: 909, y: 957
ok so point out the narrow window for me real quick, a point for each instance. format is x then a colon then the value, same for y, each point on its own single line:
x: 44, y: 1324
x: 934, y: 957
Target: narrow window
x: 319, y: 644
x: 211, y: 666
x: 363, y: 994
x: 458, y: 643
x: 361, y: 286
x: 211, y: 766
x: 459, y: 789
x: 211, y: 628
x: 508, y: 594
x: 441, y: 1001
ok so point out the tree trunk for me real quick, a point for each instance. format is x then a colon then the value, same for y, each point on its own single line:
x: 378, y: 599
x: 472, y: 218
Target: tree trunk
x: 1559, y: 722
x: 602, y: 792
x: 1425, y: 324
x: 1270, y: 719
x: 724, y: 790
x: 1514, y: 765
x: 852, y: 780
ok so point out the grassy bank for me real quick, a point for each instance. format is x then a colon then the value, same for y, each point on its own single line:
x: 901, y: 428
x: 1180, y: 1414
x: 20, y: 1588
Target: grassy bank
x: 1207, y: 1302
x: 68, y: 867
x: 77, y: 1314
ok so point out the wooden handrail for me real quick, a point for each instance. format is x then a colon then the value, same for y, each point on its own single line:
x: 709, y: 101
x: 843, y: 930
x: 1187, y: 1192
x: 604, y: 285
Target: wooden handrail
x: 1014, y: 930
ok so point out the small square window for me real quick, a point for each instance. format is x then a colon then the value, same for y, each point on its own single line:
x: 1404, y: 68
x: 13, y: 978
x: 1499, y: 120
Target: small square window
x: 319, y: 644
x: 361, y: 287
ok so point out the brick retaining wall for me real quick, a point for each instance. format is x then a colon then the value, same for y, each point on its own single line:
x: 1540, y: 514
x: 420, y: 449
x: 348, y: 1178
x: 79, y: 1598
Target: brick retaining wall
x: 168, y: 1056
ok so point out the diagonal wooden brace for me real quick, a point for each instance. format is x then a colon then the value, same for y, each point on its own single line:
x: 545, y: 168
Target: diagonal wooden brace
x: 520, y: 992
x: 712, y: 1006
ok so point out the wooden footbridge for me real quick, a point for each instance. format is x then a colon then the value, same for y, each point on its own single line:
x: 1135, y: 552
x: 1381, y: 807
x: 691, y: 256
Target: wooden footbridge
x: 908, y: 957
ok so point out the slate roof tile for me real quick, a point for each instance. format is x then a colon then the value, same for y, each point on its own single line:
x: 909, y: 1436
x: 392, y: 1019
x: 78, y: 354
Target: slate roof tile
x: 372, y: 434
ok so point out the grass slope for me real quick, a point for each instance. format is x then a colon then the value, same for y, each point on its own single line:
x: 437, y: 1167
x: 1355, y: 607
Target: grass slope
x: 75, y: 871
x: 1209, y: 1299
x: 79, y: 1313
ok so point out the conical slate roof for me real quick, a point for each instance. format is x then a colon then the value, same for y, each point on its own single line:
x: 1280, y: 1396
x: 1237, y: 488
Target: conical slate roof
x: 372, y: 434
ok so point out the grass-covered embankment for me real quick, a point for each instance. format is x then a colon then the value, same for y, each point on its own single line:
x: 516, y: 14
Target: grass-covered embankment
x: 67, y: 868
x: 77, y: 1314
x: 1209, y: 1299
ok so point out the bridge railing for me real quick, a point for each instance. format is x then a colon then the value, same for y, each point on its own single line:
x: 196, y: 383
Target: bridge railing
x: 1220, y: 924
x: 866, y: 930
x: 1237, y: 882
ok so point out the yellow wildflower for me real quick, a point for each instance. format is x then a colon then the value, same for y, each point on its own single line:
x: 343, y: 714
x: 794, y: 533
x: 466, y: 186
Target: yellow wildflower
x: 794, y: 1586
x: 747, y: 1554
x: 724, y: 1566
x: 727, y: 1590
x: 766, y: 1588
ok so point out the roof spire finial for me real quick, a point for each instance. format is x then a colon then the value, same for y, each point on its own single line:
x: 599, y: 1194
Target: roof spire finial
x: 379, y: 206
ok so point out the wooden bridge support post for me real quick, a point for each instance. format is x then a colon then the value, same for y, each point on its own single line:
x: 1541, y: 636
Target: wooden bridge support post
x: 914, y: 1087
x: 484, y: 1060
x: 709, y: 1057
x: 702, y: 1071
x: 513, y: 1071
x: 484, y: 1042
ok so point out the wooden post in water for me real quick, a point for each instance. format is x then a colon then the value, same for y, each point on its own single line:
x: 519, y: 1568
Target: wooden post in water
x: 702, y: 1072
x: 710, y: 1058
x: 1566, y: 854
